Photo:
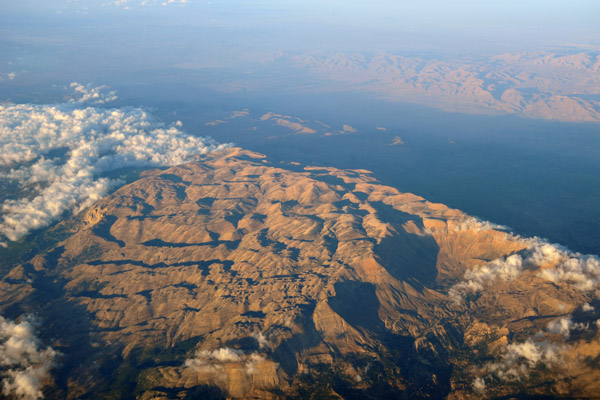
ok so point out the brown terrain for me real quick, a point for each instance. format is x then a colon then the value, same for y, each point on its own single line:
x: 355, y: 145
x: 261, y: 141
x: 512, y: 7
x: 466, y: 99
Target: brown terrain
x: 560, y: 84
x: 233, y: 277
x: 563, y: 86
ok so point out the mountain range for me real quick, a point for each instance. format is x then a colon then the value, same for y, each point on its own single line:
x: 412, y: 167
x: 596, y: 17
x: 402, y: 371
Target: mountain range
x: 232, y: 276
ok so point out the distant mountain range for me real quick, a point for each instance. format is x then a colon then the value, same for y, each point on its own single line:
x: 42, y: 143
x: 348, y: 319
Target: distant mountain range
x: 562, y: 85
x: 533, y: 85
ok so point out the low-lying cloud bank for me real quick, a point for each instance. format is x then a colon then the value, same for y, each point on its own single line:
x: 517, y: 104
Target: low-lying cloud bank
x: 24, y: 364
x: 517, y: 361
x: 538, y: 261
x: 551, y: 262
x: 520, y: 357
x: 546, y: 349
x: 60, y: 153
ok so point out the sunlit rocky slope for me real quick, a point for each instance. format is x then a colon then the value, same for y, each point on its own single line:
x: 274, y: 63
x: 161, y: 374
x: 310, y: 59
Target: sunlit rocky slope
x: 233, y: 277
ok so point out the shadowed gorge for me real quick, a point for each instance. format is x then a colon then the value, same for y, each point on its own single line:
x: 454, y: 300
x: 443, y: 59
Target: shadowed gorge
x: 359, y: 314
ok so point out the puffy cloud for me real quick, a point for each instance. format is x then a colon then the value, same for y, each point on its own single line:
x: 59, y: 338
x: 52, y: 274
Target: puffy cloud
x: 517, y: 361
x: 25, y: 365
x: 253, y: 360
x: 561, y: 326
x: 564, y: 326
x: 92, y: 95
x: 212, y: 361
x: 587, y: 307
x: 519, y: 358
x: 475, y: 224
x: 546, y: 254
x: 127, y: 4
x: 61, y: 151
x: 582, y: 271
x: 475, y: 279
x: 164, y: 3
x: 225, y: 354
x: 263, y: 342
x: 207, y: 361
x: 479, y: 385
x: 552, y: 262
x: 10, y: 76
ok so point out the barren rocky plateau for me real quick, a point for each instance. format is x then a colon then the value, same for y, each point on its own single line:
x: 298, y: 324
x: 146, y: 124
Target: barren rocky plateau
x: 233, y: 277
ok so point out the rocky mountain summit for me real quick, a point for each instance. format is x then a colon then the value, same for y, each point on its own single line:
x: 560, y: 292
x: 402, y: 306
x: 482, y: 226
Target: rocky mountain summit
x: 230, y: 276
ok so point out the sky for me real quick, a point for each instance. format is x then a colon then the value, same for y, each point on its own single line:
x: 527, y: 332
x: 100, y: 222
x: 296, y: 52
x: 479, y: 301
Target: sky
x: 345, y: 23
x: 60, y: 41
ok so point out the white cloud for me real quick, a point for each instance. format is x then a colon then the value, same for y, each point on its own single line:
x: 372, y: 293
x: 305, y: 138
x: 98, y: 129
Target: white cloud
x: 212, y: 361
x: 561, y: 326
x: 125, y: 4
x: 263, y: 342
x: 582, y: 271
x: 24, y: 364
x: 543, y: 254
x: 10, y: 76
x: 476, y: 224
x: 520, y: 357
x: 479, y: 385
x: 207, y: 361
x: 253, y: 360
x: 89, y: 94
x: 587, y: 307
x: 94, y: 141
x: 564, y: 326
x: 552, y: 262
x: 225, y: 354
x: 475, y: 279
